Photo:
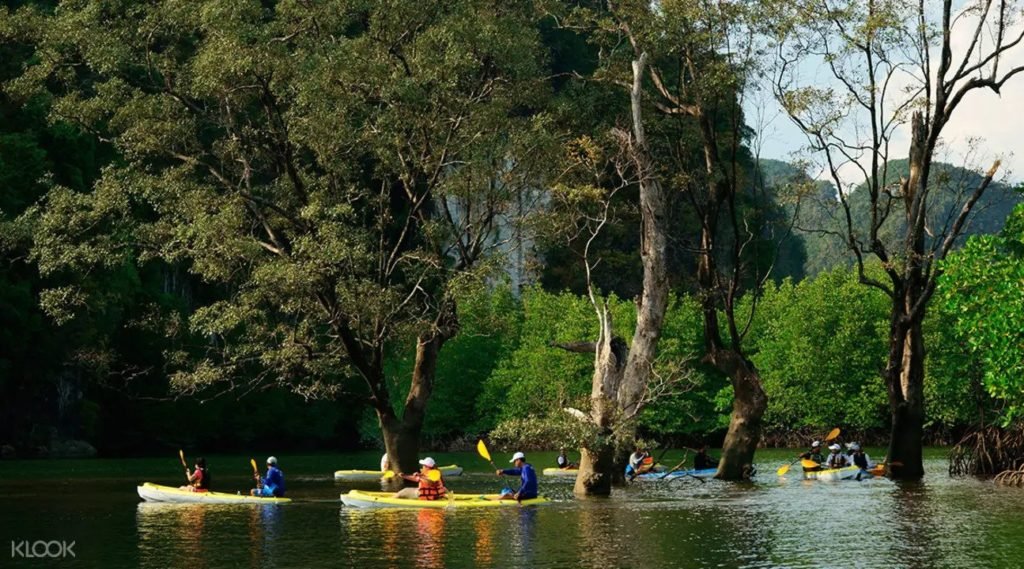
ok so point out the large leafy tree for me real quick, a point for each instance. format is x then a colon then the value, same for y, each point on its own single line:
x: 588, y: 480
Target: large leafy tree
x: 337, y: 170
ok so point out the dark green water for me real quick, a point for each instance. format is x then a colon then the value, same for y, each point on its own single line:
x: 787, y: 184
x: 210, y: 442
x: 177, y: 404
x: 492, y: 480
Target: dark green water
x: 772, y: 522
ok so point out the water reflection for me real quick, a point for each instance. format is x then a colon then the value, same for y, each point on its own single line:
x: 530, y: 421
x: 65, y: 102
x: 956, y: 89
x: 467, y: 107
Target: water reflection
x: 196, y: 535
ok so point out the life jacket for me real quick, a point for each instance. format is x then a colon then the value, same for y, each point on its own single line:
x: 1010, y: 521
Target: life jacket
x: 647, y: 461
x: 836, y: 461
x: 861, y: 460
x: 203, y: 484
x: 428, y: 490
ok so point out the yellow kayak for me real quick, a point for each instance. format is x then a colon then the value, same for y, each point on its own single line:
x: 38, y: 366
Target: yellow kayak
x: 358, y: 499
x: 371, y: 475
x: 561, y: 472
x: 156, y: 493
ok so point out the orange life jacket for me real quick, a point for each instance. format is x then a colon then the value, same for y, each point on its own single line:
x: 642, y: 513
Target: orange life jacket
x: 430, y: 490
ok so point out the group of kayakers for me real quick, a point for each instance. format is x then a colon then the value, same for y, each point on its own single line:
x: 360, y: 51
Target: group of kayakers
x: 430, y: 483
x: 641, y: 461
x: 836, y: 458
x: 271, y: 485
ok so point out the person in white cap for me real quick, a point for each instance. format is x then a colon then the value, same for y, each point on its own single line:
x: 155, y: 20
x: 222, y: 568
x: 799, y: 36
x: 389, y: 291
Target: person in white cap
x: 814, y: 454
x: 858, y: 457
x: 429, y: 483
x: 272, y: 484
x: 524, y: 470
x: 836, y: 458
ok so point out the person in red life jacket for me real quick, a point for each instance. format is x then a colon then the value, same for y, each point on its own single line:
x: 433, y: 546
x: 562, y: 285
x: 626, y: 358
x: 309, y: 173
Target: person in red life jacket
x: 198, y: 479
x: 640, y: 462
x: 524, y: 470
x: 429, y: 483
x: 563, y: 461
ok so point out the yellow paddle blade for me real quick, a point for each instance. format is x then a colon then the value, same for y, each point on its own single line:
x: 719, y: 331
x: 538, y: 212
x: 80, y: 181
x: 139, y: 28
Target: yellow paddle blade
x: 389, y: 474
x: 832, y: 434
x: 255, y: 469
x: 181, y: 455
x: 782, y: 470
x: 481, y: 449
x: 809, y: 463
x: 433, y: 475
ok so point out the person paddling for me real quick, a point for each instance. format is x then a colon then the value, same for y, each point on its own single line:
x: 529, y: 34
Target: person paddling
x: 528, y: 488
x: 859, y: 457
x: 271, y: 485
x: 702, y: 461
x: 814, y: 454
x: 563, y: 461
x: 429, y: 483
x: 640, y: 462
x: 198, y: 479
x: 836, y: 459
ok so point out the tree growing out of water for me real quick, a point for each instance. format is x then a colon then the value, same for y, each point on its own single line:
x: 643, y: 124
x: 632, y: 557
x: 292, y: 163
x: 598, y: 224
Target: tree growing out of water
x: 895, y: 67
x: 336, y: 173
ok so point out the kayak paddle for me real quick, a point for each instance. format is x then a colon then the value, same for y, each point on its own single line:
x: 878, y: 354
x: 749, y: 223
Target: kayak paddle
x: 255, y: 472
x: 181, y: 455
x: 481, y: 449
x: 674, y: 468
x: 829, y: 437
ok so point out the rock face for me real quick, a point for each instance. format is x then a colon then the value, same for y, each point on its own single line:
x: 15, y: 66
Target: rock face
x: 71, y: 448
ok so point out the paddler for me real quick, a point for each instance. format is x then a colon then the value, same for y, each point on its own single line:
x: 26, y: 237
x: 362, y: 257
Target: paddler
x: 198, y: 479
x: 640, y: 462
x: 814, y: 454
x: 859, y: 457
x: 428, y: 486
x: 271, y: 485
x: 524, y: 470
x: 563, y: 461
x: 385, y: 463
x: 836, y: 459
x: 702, y: 461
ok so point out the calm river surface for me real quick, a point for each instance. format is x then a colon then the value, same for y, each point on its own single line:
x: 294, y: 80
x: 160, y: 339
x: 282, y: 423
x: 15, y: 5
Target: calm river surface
x: 771, y: 522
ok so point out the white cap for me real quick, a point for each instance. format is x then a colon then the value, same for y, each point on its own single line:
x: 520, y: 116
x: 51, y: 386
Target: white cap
x: 428, y: 462
x: 816, y: 444
x: 854, y: 446
x: 835, y: 447
x: 518, y: 456
x: 271, y: 460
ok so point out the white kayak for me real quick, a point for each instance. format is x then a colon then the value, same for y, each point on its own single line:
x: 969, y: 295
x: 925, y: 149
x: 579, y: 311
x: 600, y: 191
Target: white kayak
x: 156, y: 493
x: 836, y: 474
x: 358, y: 499
x: 371, y: 475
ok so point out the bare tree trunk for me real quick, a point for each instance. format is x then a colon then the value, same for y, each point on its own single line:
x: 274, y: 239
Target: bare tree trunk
x: 748, y: 406
x: 905, y: 383
x: 597, y: 463
x: 402, y: 435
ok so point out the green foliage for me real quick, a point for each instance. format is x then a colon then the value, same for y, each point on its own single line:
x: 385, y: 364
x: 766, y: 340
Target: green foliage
x: 820, y: 346
x: 983, y: 290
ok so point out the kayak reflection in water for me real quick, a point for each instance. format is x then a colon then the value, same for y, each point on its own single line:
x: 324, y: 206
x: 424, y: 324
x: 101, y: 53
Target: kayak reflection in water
x: 528, y: 488
x: 563, y: 461
x: 429, y: 483
x: 272, y: 484
x: 198, y: 479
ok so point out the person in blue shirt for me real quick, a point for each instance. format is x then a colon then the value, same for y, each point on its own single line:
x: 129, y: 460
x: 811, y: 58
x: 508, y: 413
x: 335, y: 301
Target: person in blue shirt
x: 524, y: 470
x: 272, y: 484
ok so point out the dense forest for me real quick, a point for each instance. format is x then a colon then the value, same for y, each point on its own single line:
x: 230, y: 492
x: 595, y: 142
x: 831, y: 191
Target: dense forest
x: 317, y: 225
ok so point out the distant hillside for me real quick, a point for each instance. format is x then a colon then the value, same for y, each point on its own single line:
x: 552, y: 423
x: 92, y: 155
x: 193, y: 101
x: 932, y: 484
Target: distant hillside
x: 820, y: 213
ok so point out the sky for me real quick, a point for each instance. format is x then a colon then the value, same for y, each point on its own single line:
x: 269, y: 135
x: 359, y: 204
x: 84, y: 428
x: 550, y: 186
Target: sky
x: 993, y: 124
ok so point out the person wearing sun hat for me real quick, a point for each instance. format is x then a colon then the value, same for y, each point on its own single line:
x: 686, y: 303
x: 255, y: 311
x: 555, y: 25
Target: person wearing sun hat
x: 858, y: 457
x: 429, y: 483
x: 836, y: 459
x: 524, y: 470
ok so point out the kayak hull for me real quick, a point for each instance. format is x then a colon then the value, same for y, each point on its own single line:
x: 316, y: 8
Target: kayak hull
x: 168, y: 494
x: 357, y: 499
x: 703, y: 473
x: 372, y: 475
x: 561, y: 472
x: 837, y: 474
